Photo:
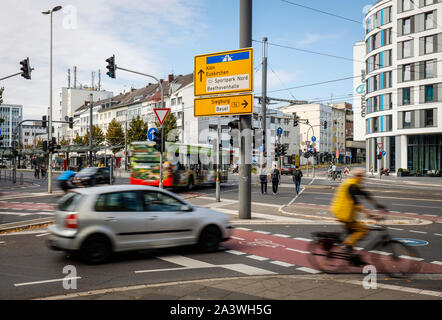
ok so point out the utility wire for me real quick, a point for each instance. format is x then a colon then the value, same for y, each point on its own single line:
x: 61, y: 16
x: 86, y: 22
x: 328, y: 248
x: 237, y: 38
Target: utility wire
x: 280, y: 81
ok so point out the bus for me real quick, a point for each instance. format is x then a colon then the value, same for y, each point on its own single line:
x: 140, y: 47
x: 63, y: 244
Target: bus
x: 184, y: 165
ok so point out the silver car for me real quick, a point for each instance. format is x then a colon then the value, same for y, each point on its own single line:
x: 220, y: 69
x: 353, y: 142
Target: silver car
x: 94, y: 222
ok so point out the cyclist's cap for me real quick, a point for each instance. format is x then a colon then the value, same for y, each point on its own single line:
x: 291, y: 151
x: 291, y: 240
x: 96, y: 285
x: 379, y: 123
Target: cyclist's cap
x: 358, y: 172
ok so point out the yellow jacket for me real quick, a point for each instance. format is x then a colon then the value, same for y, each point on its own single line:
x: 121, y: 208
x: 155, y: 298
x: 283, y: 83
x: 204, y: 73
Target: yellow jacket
x: 342, y: 205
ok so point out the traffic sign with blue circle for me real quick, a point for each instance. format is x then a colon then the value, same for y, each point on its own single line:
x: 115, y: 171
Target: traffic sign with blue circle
x: 384, y: 153
x: 279, y: 131
x: 261, y: 148
x: 151, y: 133
x: 313, y: 138
x: 412, y: 242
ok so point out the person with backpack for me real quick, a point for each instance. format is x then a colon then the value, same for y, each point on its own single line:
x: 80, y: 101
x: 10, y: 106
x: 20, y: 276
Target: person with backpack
x: 263, y: 180
x: 276, y: 175
x: 297, y: 175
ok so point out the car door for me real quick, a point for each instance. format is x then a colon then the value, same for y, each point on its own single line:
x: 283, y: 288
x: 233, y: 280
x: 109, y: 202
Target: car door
x: 122, y: 213
x: 168, y: 223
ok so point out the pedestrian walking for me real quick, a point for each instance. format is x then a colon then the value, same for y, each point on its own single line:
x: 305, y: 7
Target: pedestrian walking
x: 263, y: 180
x: 276, y: 175
x: 37, y: 171
x: 297, y: 176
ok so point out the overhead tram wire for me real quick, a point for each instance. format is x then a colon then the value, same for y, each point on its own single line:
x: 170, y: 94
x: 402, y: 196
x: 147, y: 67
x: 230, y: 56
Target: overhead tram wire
x: 280, y: 81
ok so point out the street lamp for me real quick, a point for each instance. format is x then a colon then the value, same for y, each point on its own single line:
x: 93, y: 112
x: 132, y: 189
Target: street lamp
x: 57, y: 8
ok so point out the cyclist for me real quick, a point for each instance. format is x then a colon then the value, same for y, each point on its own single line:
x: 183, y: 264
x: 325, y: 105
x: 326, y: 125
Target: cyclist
x: 345, y: 205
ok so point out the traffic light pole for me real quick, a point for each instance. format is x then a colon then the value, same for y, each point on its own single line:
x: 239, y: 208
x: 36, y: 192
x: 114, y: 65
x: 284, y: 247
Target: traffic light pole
x: 245, y: 172
x: 218, y: 166
x: 162, y: 105
x: 12, y: 75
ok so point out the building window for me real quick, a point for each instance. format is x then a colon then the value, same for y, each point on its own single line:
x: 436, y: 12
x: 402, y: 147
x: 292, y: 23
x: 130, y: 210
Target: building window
x: 406, y: 96
x: 406, y: 24
x: 180, y: 100
x: 428, y: 118
x: 406, y: 5
x: 429, y: 93
x: 406, y: 72
x: 406, y: 123
x: 172, y: 102
x: 406, y: 49
x: 429, y: 71
x: 428, y: 20
x: 429, y: 47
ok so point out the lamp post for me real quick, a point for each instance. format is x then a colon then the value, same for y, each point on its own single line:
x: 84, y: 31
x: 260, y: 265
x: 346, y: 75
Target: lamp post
x: 50, y: 12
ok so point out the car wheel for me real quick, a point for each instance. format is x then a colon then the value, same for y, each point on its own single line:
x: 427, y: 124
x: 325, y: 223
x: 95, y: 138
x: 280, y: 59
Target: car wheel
x: 96, y: 249
x: 209, y: 239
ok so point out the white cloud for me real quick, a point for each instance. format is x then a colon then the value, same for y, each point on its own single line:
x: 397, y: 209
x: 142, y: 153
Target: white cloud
x: 136, y: 31
x: 311, y: 38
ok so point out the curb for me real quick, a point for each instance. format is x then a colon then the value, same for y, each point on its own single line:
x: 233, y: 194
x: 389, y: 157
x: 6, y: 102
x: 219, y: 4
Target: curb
x: 23, y: 225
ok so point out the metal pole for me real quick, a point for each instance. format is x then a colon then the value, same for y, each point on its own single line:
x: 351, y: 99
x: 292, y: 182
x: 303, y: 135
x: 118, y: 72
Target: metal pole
x: 264, y: 98
x: 218, y: 165
x: 50, y: 116
x: 90, y: 127
x: 162, y: 139
x: 245, y: 172
x: 125, y: 145
x: 12, y: 75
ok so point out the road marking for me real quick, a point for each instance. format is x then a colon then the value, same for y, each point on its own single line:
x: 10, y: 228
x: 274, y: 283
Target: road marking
x: 245, y: 269
x: 238, y: 253
x: 437, y: 262
x: 303, y: 239
x: 185, y: 261
x: 396, y: 288
x: 438, y: 234
x: 236, y: 238
x: 380, y: 252
x: 281, y: 235
x: 305, y: 269
x: 431, y: 215
x: 42, y: 235
x: 411, y: 258
x: 263, y: 232
x: 418, y: 231
x: 257, y: 258
x: 44, y: 281
x: 411, y: 205
x: 296, y: 250
x: 358, y: 248
x: 283, y: 264
x: 245, y: 229
x: 2, y: 242
x: 395, y: 229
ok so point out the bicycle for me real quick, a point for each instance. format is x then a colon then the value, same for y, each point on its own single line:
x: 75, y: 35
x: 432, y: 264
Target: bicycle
x: 333, y: 176
x: 388, y: 255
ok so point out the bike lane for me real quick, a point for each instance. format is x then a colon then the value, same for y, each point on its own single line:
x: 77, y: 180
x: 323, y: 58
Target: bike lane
x: 296, y: 252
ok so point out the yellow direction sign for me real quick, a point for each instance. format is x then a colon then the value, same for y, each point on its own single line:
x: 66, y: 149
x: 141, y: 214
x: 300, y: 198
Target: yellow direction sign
x: 224, y: 105
x: 224, y: 72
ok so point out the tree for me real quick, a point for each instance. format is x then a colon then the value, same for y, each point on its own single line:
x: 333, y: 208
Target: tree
x: 115, y: 135
x: 1, y: 95
x: 170, y: 128
x: 39, y: 143
x: 137, y: 130
x: 78, y: 139
x: 97, y: 136
x: 64, y: 142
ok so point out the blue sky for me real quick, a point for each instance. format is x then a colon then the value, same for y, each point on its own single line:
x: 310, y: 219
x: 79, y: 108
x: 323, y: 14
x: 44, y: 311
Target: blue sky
x: 162, y: 36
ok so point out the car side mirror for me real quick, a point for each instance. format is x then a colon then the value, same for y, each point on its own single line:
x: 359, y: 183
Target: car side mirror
x: 186, y: 208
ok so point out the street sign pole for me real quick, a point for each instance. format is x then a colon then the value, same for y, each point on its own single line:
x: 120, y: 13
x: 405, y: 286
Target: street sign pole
x: 161, y: 158
x: 245, y: 172
x: 218, y: 166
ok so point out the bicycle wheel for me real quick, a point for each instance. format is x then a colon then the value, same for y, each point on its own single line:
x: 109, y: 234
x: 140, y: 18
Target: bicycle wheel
x: 396, y: 259
x: 326, y: 256
x: 339, y: 177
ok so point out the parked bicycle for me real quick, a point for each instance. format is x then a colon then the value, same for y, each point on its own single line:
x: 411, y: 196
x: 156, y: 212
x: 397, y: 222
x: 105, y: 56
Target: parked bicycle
x: 386, y: 254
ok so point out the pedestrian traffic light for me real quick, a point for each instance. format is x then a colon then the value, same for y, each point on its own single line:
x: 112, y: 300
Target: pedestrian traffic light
x: 45, y: 146
x: 43, y: 121
x: 325, y: 124
x: 296, y: 121
x: 26, y: 69
x: 285, y: 147
x: 71, y: 123
x: 111, y: 66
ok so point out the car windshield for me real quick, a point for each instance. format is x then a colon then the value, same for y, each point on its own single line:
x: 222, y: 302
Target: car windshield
x: 69, y: 201
x: 87, y: 171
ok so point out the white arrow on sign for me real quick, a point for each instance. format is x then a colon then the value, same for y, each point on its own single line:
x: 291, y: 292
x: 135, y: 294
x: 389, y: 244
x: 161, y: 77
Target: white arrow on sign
x: 161, y: 114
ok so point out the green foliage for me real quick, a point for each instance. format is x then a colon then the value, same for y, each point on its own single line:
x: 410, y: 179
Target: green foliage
x: 170, y: 128
x: 115, y: 135
x: 137, y: 130
x: 97, y: 137
x: 1, y: 94
x: 78, y: 139
x: 64, y: 142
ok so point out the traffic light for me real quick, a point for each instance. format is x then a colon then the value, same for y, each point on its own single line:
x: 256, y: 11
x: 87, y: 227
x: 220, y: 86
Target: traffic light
x: 111, y: 66
x: 296, y: 121
x: 325, y: 124
x: 231, y: 141
x: 71, y: 123
x: 43, y: 121
x: 233, y: 125
x: 26, y: 69
x: 45, y: 146
x: 158, y: 141
x: 1, y: 140
x: 380, y: 156
x: 284, y: 149
x: 53, y: 144
x: 277, y: 150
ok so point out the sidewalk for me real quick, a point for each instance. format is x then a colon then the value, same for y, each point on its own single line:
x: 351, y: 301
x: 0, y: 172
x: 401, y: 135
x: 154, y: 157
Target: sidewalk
x: 278, y: 287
